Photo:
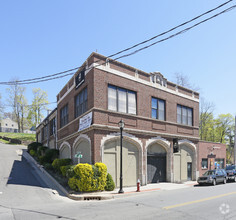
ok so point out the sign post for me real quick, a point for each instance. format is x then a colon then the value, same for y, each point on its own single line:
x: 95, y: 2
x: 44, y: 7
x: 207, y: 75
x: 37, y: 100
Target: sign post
x: 79, y: 155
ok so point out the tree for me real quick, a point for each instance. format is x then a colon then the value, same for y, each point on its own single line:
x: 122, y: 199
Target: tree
x: 18, y: 103
x: 224, y: 127
x: 40, y: 100
x: 206, y: 125
x: 183, y: 80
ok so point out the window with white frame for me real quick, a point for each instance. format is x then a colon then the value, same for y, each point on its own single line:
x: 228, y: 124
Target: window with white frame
x: 158, y: 109
x: 184, y: 115
x: 121, y: 100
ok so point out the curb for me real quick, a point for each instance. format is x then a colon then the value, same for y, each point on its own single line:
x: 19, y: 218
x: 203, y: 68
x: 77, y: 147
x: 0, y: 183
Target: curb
x: 50, y: 181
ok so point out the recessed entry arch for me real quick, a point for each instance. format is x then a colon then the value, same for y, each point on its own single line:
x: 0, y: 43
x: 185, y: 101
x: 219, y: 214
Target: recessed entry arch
x: 82, y: 144
x: 65, y: 150
x: 132, y: 159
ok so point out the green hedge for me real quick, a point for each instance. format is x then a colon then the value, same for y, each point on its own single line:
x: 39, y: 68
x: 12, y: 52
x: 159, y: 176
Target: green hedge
x: 68, y: 171
x: 41, y: 150
x: 89, y: 177
x: 34, y: 146
x: 58, y: 163
x: 110, y: 185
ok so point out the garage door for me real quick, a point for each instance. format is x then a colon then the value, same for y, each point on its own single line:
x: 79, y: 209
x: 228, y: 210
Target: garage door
x: 130, y: 162
x: 156, y: 163
x: 156, y: 168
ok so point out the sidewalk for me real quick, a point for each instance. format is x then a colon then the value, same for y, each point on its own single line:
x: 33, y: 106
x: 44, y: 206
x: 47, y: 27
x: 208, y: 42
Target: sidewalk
x: 52, y: 183
x: 133, y: 190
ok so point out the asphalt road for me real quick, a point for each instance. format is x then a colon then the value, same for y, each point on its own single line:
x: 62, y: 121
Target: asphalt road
x: 24, y: 196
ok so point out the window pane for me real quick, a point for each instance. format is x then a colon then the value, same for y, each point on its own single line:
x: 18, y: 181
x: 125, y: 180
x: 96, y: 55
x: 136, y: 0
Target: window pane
x: 154, y: 113
x: 154, y: 103
x: 131, y: 103
x: 184, y: 115
x: 122, y: 100
x: 112, y: 105
x: 190, y: 118
x: 161, y: 110
x: 179, y: 114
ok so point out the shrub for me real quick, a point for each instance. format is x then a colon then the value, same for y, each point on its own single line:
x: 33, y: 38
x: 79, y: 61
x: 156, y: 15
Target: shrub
x: 110, y: 185
x: 32, y: 153
x: 89, y: 178
x: 41, y: 150
x: 52, y: 154
x: 57, y: 163
x: 34, y: 146
x: 73, y: 183
x: 102, y: 174
x: 48, y: 166
x: 44, y: 159
x: 68, y: 171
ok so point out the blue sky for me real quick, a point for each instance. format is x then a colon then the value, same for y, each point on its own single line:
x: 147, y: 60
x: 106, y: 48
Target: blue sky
x: 42, y: 37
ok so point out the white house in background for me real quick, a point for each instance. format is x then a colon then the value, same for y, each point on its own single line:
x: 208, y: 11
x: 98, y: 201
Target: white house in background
x: 7, y: 125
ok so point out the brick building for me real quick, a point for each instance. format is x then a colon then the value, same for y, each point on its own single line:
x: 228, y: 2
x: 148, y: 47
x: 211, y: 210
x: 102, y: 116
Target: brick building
x: 156, y: 113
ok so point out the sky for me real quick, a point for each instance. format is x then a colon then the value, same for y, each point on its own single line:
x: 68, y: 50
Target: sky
x: 41, y: 37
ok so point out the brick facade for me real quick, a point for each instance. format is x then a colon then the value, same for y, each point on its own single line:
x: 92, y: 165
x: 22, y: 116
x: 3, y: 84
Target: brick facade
x: 141, y: 130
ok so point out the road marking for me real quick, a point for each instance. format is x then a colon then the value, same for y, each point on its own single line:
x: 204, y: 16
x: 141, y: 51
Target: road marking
x: 198, y: 201
x: 0, y: 193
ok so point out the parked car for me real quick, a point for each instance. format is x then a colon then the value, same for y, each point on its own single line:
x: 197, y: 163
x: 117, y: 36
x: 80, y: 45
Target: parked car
x: 231, y: 172
x: 212, y: 177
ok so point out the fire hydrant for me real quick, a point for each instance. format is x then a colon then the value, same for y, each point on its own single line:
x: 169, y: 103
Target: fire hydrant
x: 138, y: 186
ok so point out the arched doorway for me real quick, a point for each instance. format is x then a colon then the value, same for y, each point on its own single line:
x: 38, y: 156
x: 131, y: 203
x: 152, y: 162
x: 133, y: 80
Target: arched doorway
x: 83, y: 146
x: 184, y: 163
x: 131, y: 166
x: 65, y: 150
x: 156, y: 163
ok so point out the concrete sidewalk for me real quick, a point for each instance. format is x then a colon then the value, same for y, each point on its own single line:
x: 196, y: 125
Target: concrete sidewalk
x: 133, y: 190
x: 54, y: 185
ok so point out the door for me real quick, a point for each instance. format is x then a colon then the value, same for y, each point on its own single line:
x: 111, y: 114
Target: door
x: 189, y: 171
x: 156, y: 168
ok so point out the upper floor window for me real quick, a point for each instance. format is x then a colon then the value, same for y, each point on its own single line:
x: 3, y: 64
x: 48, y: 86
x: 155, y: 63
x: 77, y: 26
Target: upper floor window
x: 184, y: 115
x: 81, y: 102
x: 64, y: 116
x: 121, y: 100
x: 53, y: 126
x: 158, y: 109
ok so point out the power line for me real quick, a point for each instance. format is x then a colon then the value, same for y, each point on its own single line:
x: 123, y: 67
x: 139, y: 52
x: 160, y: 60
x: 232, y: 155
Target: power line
x: 56, y: 75
x: 178, y: 33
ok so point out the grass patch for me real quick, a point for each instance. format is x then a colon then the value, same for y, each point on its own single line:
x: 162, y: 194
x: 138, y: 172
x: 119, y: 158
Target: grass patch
x: 20, y: 136
x: 4, y: 141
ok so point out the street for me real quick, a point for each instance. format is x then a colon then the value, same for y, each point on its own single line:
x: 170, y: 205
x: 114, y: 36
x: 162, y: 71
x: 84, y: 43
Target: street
x: 24, y: 196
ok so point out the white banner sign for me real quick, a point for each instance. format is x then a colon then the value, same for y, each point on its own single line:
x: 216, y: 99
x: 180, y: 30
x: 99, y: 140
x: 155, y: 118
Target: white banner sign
x: 86, y: 121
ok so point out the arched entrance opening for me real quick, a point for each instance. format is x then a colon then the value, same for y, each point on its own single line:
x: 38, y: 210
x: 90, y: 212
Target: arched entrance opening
x: 65, y: 151
x: 156, y: 163
x: 184, y: 163
x: 84, y: 147
x: 131, y: 166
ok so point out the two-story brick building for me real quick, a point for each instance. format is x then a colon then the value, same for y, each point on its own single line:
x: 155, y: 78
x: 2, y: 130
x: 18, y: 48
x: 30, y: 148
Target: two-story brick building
x: 156, y: 113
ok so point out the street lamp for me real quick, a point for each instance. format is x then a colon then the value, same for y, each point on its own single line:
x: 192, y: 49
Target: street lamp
x: 121, y: 125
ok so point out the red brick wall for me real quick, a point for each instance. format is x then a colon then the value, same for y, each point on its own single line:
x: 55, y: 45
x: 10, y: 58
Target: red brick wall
x: 204, y: 151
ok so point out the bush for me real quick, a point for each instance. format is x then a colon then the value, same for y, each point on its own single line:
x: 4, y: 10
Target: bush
x: 44, y: 159
x: 34, y: 146
x: 110, y: 185
x: 57, y: 163
x: 32, y: 153
x: 52, y: 154
x: 89, y: 178
x: 41, y: 150
x: 68, y: 171
x: 48, y: 166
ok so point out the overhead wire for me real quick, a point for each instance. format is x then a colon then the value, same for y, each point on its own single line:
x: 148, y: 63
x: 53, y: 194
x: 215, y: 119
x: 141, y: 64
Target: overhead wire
x: 59, y: 75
